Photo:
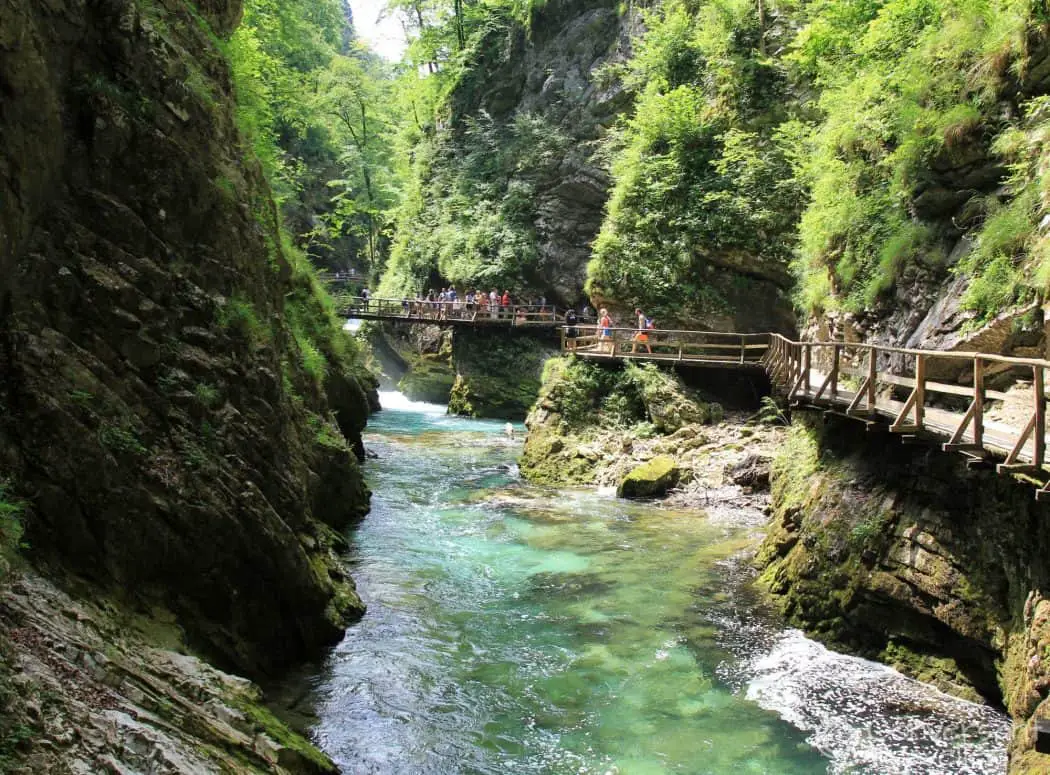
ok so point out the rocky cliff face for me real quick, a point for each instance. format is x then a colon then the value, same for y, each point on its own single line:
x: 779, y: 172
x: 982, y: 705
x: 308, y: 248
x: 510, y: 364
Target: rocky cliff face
x: 554, y: 73
x: 498, y: 372
x: 900, y: 553
x: 958, y: 190
x: 509, y: 190
x: 159, y: 417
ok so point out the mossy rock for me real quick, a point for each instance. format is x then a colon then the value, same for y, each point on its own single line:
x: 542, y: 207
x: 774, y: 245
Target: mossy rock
x: 549, y: 459
x: 502, y: 398
x: 428, y: 380
x: 650, y: 479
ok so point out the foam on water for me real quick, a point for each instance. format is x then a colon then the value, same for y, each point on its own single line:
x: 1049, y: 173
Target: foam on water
x: 869, y: 718
x: 394, y: 401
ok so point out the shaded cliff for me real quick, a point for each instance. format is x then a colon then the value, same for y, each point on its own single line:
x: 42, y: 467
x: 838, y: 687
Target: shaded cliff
x: 900, y: 553
x: 180, y: 407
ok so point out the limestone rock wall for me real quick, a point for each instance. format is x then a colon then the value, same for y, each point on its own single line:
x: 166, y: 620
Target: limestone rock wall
x: 498, y: 372
x: 156, y: 415
x: 899, y: 553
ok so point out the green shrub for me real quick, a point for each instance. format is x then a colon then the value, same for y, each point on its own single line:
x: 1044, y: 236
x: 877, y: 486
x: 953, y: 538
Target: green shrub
x: 121, y: 439
x: 11, y: 513
x: 238, y: 314
x: 207, y: 394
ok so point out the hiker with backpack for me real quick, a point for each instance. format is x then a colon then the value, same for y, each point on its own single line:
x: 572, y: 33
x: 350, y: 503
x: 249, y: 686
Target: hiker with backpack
x: 645, y: 325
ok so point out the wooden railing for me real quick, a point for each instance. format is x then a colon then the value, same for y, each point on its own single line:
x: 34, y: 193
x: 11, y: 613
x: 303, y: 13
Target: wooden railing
x: 858, y: 377
x: 901, y: 390
x: 715, y: 347
x: 459, y: 311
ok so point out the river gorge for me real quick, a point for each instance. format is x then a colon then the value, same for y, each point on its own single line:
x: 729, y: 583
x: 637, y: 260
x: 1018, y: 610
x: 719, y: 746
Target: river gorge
x: 518, y: 628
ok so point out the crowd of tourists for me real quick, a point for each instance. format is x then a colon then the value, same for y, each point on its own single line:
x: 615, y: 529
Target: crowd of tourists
x: 603, y: 329
x: 450, y: 304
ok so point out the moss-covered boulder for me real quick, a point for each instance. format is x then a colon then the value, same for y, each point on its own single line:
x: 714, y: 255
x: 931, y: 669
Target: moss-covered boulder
x: 651, y: 479
x: 551, y: 458
x: 669, y: 404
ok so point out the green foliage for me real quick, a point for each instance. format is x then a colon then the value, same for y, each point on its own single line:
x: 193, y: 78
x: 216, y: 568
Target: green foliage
x: 770, y: 413
x: 326, y: 432
x: 207, y: 395
x: 11, y: 512
x: 468, y: 213
x: 121, y: 439
x: 795, y: 464
x: 238, y: 314
x: 905, y: 88
x: 701, y: 169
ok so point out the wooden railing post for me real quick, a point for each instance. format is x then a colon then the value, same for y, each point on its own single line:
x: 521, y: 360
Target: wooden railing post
x: 978, y: 402
x: 1039, y: 454
x: 871, y: 379
x: 807, y: 350
x: 836, y: 352
x: 920, y: 389
x: 743, y: 347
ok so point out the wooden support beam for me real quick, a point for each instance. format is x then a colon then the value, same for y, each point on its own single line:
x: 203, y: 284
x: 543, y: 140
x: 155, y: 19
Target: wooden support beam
x: 898, y: 428
x: 949, y: 447
x: 1017, y: 468
x: 852, y: 408
x: 872, y: 378
x: 1039, y: 414
x: 956, y: 440
x: 978, y: 401
x: 920, y: 389
x: 1015, y: 453
x: 899, y: 424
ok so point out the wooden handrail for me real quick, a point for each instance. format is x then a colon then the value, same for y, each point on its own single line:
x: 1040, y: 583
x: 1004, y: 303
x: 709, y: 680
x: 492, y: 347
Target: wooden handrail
x: 875, y: 397
x: 844, y: 377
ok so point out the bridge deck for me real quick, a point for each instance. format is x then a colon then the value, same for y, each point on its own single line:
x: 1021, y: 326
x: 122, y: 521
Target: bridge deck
x: 890, y: 389
x: 453, y: 313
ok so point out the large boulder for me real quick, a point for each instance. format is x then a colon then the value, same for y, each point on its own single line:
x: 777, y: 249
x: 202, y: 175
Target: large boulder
x: 651, y: 479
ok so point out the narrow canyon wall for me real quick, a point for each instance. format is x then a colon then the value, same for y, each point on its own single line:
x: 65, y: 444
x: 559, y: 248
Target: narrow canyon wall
x: 900, y: 553
x: 161, y: 422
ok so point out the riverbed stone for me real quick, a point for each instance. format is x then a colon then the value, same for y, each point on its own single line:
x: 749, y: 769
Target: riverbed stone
x: 651, y: 479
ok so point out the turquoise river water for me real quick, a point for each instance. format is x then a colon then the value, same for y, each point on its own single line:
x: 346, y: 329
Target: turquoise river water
x: 515, y: 629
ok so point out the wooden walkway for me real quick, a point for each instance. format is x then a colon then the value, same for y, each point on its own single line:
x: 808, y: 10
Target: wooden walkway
x: 893, y: 389
x: 888, y: 388
x: 452, y: 313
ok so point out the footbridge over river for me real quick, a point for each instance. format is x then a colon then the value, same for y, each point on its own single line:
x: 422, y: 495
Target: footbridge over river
x: 454, y: 313
x: 989, y: 408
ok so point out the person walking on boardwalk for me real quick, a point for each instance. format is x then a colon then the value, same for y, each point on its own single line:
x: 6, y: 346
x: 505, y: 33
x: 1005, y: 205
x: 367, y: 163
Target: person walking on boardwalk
x: 645, y: 325
x: 571, y: 331
x: 605, y: 327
